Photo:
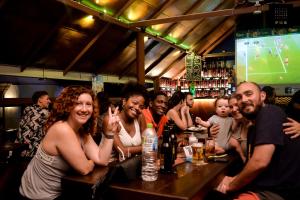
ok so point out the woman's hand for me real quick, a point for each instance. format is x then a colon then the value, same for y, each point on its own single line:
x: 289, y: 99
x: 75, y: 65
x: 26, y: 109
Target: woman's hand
x: 185, y: 109
x: 113, y: 121
x: 214, y: 130
x: 292, y: 128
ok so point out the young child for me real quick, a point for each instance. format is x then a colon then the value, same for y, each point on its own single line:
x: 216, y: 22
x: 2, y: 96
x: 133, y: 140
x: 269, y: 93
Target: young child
x: 224, y: 140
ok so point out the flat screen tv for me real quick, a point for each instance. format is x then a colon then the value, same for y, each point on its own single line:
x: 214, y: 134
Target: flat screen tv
x: 269, y: 59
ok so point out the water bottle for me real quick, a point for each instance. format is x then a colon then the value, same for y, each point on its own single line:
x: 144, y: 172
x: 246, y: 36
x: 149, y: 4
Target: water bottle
x: 149, y: 154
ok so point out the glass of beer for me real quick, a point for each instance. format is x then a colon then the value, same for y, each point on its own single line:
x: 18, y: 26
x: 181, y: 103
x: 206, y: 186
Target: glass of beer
x: 209, y: 148
x: 197, y: 153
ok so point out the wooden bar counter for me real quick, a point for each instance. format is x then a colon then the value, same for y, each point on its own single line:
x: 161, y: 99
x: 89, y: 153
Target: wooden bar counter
x: 190, y: 182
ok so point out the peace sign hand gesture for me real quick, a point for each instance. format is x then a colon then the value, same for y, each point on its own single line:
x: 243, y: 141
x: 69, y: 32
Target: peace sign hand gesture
x: 113, y: 121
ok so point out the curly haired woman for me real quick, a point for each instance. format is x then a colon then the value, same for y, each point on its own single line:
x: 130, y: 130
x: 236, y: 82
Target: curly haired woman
x: 68, y: 144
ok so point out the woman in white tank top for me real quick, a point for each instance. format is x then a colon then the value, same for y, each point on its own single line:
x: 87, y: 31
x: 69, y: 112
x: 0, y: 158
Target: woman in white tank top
x: 128, y: 138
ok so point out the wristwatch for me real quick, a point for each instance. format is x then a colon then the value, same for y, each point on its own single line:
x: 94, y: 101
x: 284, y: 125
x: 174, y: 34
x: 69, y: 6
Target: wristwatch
x: 108, y: 136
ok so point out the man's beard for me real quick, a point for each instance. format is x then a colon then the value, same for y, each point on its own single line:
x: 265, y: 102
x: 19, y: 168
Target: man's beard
x: 250, y: 115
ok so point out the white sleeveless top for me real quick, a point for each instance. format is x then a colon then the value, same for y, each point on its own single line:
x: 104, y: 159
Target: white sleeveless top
x: 126, y: 139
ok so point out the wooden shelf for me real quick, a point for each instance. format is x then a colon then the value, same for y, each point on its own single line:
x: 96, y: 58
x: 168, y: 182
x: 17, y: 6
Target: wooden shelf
x: 10, y: 102
x: 216, y: 55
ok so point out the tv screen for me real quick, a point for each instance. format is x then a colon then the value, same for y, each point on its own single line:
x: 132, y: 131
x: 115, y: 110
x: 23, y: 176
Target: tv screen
x: 269, y: 59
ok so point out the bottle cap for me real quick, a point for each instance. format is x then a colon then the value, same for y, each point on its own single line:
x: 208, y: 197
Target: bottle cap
x: 149, y: 125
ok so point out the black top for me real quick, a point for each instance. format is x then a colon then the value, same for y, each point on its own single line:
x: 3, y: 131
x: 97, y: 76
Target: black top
x: 283, y: 173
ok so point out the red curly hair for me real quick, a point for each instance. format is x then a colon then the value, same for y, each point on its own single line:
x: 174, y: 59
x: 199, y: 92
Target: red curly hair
x: 65, y: 102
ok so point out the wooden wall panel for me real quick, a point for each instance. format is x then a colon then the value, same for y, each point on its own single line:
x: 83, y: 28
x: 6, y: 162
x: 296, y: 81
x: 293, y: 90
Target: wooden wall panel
x: 203, y: 108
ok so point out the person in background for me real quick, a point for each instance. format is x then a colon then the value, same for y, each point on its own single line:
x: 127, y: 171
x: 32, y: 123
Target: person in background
x: 273, y: 168
x: 270, y: 94
x: 224, y: 141
x: 179, y: 111
x: 68, y: 144
x: 103, y: 103
x: 190, y: 102
x: 156, y: 111
x: 32, y: 122
x: 128, y: 139
x: 292, y: 126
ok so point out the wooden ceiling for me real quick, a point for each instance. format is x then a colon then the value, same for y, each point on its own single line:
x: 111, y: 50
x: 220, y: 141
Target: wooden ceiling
x: 61, y: 35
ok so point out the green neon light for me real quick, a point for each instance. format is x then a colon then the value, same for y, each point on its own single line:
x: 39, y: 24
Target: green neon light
x: 171, y: 39
x: 97, y: 8
x: 153, y: 32
x: 124, y: 20
x: 184, y: 46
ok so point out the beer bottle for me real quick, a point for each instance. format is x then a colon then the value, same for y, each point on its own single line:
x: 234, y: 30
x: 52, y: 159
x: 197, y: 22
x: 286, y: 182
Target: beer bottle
x: 166, y: 152
x: 174, y: 143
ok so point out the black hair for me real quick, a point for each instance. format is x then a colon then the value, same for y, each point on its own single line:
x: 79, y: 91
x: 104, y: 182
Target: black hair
x: 187, y: 93
x: 36, y: 95
x: 134, y: 88
x: 291, y: 111
x: 153, y: 95
x: 270, y: 92
x: 176, y: 98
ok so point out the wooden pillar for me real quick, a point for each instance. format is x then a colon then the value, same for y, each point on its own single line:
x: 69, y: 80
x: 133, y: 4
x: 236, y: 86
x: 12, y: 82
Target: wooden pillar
x: 140, y: 55
x: 156, y: 84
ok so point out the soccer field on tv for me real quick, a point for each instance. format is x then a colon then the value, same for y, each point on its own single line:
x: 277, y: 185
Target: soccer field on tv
x: 269, y: 60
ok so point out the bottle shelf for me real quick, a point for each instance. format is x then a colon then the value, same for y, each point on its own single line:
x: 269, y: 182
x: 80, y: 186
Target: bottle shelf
x: 217, y: 78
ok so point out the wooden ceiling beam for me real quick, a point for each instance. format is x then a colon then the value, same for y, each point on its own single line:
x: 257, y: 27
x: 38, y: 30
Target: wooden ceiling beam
x: 157, y: 39
x: 195, y: 43
x: 184, y: 70
x: 140, y: 61
x: 124, y: 7
x: 189, y: 11
x: 180, y: 74
x: 101, y: 16
x: 191, y: 31
x: 183, y: 38
x: 216, y: 13
x: 219, y: 40
x: 154, y: 42
x: 118, y: 51
x: 95, y: 38
x: 42, y: 43
x: 85, y: 49
x: 129, y: 66
x: 158, y: 60
x: 161, y: 8
x: 154, y: 15
x: 171, y: 65
x: 205, y: 43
